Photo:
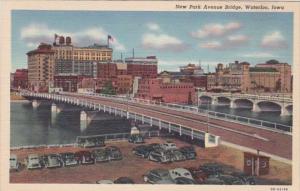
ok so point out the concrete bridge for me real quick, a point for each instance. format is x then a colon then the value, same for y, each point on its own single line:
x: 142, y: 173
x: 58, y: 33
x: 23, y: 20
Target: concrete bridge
x: 256, y: 102
x: 185, y: 122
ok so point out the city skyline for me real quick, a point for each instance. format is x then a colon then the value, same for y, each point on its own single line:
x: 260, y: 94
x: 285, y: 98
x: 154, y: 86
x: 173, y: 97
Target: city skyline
x: 176, y: 38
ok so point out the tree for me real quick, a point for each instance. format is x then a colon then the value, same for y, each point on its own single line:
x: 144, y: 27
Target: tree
x: 108, y: 88
x: 273, y: 61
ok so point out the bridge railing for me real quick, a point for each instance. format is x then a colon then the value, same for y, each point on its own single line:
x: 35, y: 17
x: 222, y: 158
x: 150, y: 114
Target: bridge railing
x: 195, y: 110
x: 251, y: 96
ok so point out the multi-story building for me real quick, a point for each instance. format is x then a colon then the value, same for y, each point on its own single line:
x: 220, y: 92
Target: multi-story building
x: 142, y: 67
x: 172, y: 92
x: 285, y: 72
x: 234, y: 78
x: 264, y: 80
x: 20, y: 79
x: 191, y: 69
x: 79, y: 60
x: 40, y: 67
x: 124, y: 84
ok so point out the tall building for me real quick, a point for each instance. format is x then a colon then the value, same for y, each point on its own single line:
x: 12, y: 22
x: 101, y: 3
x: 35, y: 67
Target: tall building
x: 40, y: 67
x: 79, y: 60
x: 142, y: 67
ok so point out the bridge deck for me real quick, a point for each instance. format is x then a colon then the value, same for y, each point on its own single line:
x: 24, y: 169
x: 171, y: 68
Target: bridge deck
x: 270, y: 142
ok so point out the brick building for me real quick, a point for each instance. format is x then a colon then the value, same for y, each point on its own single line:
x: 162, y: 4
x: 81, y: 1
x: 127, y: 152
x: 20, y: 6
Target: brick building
x: 20, y: 79
x: 172, y: 92
x: 68, y: 82
x: 142, y: 67
x: 40, y: 67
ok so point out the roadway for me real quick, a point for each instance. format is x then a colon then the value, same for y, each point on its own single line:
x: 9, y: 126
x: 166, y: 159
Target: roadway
x: 264, y: 140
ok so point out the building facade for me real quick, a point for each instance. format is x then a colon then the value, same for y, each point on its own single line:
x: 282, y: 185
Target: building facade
x: 68, y: 82
x: 172, y: 92
x: 20, y: 79
x: 40, y: 67
x: 142, y: 67
x: 233, y: 78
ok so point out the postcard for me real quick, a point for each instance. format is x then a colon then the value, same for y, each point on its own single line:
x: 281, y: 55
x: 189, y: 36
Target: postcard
x: 140, y: 95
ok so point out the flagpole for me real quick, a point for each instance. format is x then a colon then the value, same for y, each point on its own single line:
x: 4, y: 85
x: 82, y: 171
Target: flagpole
x: 107, y: 42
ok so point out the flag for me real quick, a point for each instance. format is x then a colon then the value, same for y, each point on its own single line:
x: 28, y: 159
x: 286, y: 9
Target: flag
x: 109, y: 37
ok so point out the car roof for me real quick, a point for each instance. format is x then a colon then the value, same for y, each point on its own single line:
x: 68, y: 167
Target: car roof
x: 182, y: 170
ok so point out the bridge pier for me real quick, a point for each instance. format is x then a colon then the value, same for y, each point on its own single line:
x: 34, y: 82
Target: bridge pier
x: 284, y: 111
x: 256, y: 107
x: 233, y: 104
x: 214, y: 101
x: 84, y: 121
x: 35, y: 104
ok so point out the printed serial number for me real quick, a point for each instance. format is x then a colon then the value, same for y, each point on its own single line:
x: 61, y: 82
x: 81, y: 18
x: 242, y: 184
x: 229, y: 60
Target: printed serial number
x: 279, y: 189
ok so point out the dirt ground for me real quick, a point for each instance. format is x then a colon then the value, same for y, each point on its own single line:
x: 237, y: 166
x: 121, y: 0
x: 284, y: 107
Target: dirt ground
x: 133, y: 166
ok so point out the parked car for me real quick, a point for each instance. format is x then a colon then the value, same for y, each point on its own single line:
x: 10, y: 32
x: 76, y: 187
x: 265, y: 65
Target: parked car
x: 84, y: 157
x: 13, y: 163
x: 137, y: 138
x: 51, y: 161
x: 230, y: 180
x: 114, y: 153
x: 91, y: 142
x: 100, y: 155
x: 68, y: 159
x: 184, y: 180
x: 189, y: 152
x: 249, y: 180
x: 180, y: 172
x: 168, y: 146
x: 124, y: 180
x: 198, y: 175
x: 158, y: 176
x: 33, y: 161
x: 154, y: 146
x: 160, y: 155
x: 142, y: 150
x: 104, y: 182
x: 176, y: 155
x: 211, y: 168
x: 213, y: 181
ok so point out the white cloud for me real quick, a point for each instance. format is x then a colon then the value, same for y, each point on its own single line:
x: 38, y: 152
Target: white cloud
x: 35, y: 33
x: 235, y: 40
x: 259, y: 55
x: 153, y: 26
x: 162, y: 42
x: 274, y: 40
x: 215, y: 45
x: 216, y: 30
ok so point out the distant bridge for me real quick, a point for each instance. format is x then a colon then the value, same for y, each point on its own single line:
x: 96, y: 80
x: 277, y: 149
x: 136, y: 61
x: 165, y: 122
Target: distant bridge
x: 256, y: 102
x: 187, y: 121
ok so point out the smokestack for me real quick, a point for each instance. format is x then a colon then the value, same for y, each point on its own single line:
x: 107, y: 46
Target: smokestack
x: 133, y: 53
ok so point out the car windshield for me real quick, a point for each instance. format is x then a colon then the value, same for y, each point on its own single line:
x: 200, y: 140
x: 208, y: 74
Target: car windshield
x: 12, y: 159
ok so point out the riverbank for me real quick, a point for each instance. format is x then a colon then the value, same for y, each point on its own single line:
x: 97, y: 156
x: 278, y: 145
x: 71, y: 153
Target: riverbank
x: 134, y: 167
x: 16, y: 98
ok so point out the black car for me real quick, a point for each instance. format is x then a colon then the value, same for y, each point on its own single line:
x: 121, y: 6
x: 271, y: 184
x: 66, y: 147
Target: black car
x: 142, y: 150
x: 136, y: 139
x: 249, y: 180
x: 124, y: 180
x: 113, y: 153
x: 154, y: 146
x: 211, y: 168
x: 189, y: 152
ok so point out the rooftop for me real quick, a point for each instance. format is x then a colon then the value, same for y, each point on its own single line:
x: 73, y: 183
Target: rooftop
x: 262, y: 69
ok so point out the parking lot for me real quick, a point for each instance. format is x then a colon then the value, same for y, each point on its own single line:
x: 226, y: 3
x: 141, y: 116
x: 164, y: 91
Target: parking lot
x: 134, y: 167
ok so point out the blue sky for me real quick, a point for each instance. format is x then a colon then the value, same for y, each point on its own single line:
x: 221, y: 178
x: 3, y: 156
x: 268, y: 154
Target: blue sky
x: 176, y: 38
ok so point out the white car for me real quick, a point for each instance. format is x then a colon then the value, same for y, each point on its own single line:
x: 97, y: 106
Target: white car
x: 13, y: 162
x: 168, y: 146
x: 180, y: 172
x: 33, y: 161
x: 52, y: 161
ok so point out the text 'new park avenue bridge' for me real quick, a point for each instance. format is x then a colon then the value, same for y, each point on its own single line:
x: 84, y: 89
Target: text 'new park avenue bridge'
x: 248, y: 134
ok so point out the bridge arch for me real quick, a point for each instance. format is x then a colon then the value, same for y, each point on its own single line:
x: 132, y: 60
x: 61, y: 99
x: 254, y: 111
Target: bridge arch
x: 268, y: 106
x: 204, y: 99
x: 242, y: 103
x: 222, y: 100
